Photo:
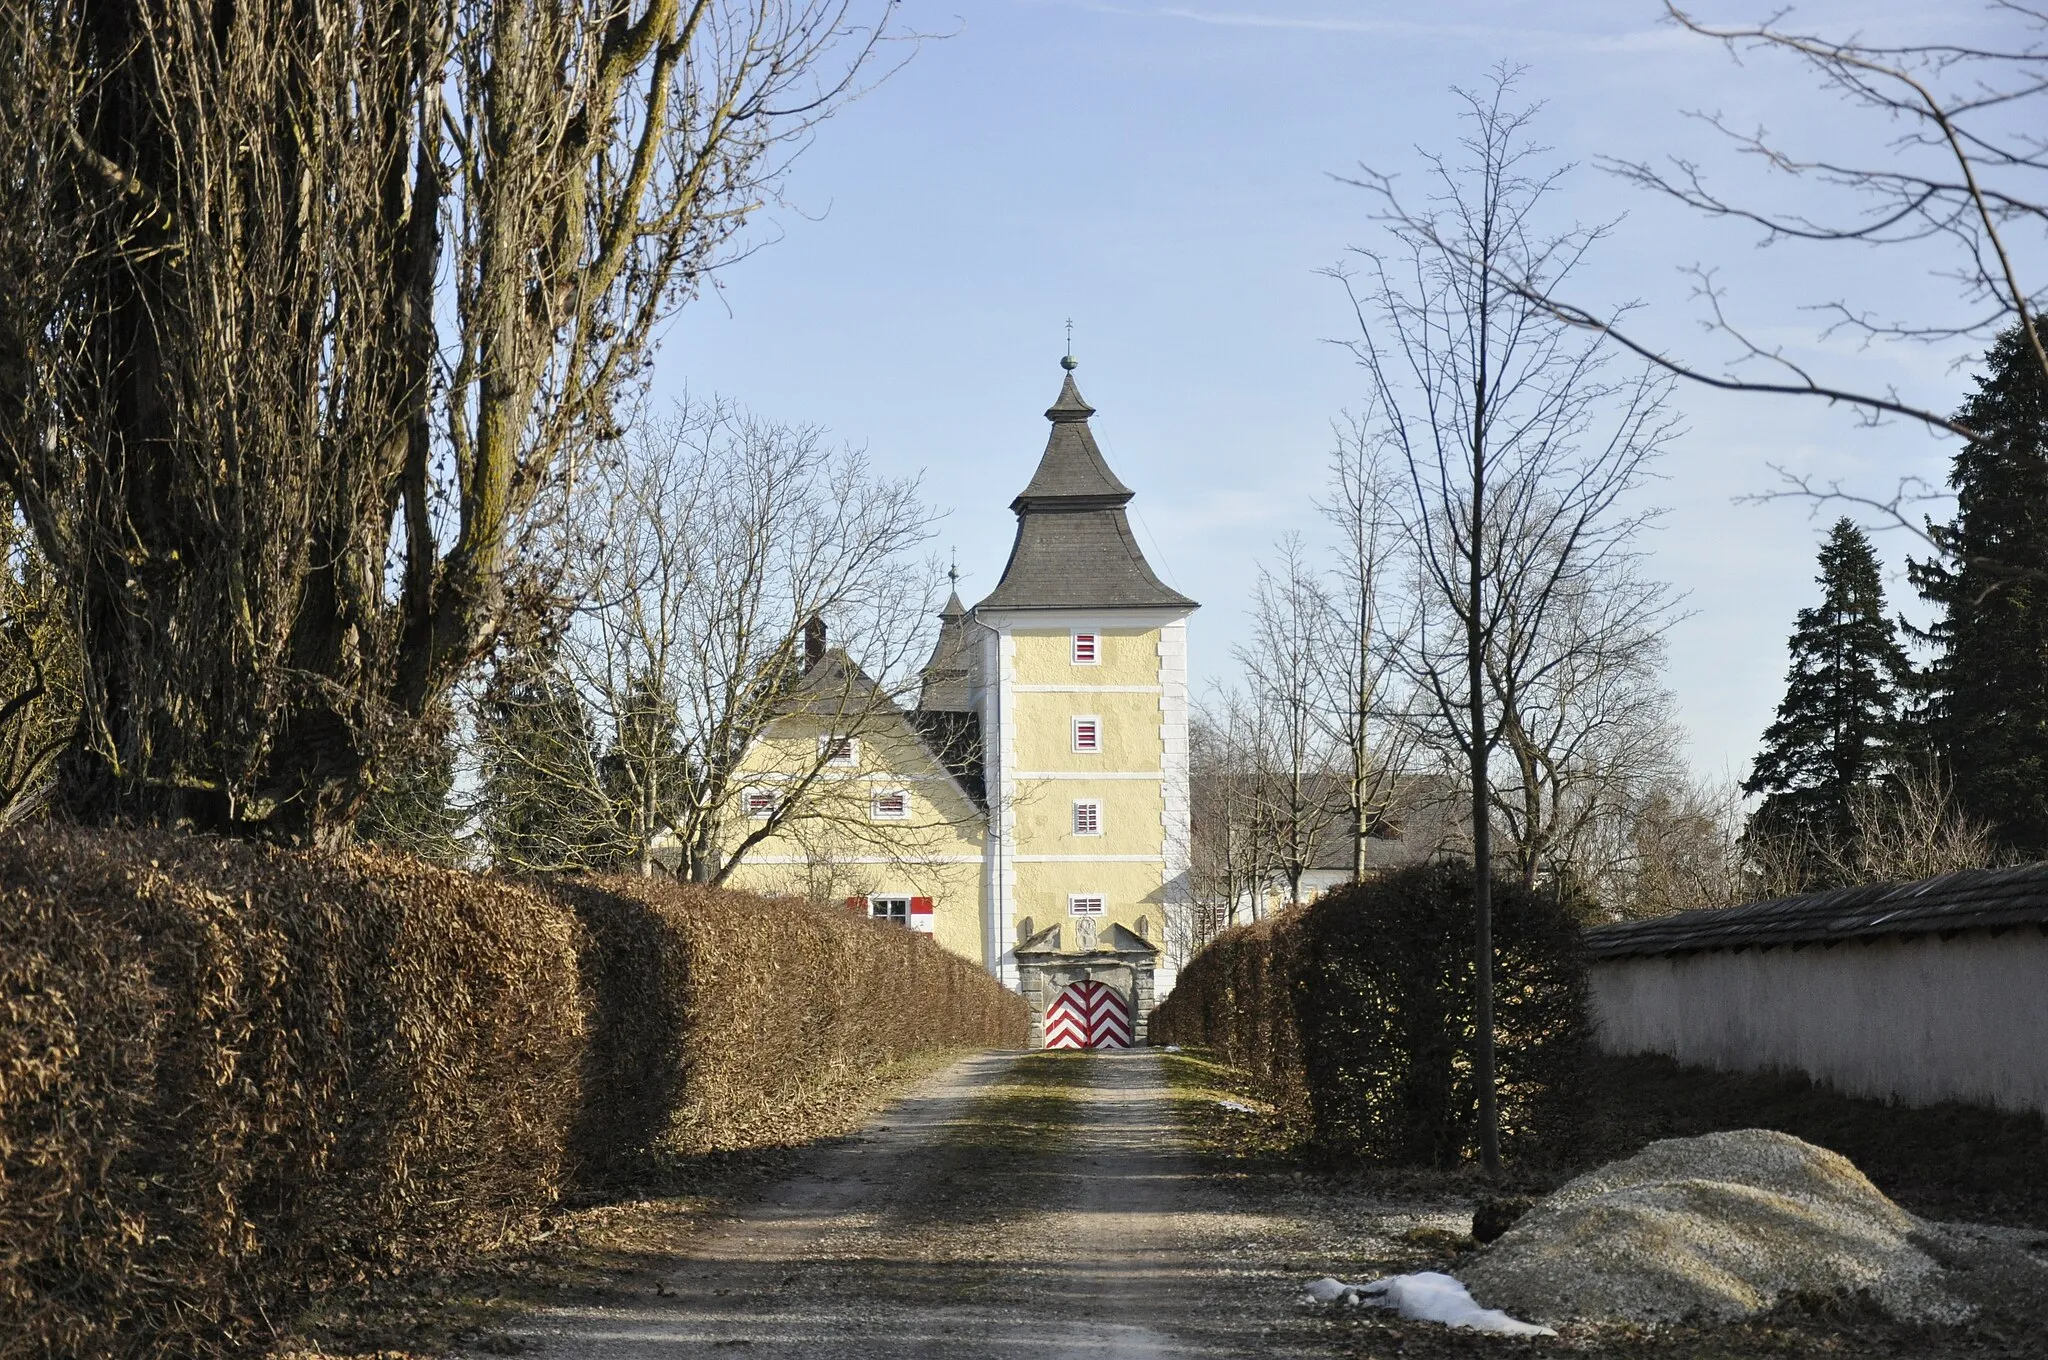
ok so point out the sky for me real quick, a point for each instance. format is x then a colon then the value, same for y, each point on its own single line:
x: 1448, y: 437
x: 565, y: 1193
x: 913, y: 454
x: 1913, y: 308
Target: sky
x: 1170, y: 177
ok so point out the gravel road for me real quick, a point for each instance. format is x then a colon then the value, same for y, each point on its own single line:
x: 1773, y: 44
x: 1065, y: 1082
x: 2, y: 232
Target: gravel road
x: 973, y: 1218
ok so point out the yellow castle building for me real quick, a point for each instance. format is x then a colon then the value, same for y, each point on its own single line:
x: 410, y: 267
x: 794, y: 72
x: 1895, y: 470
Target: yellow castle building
x: 1031, y: 812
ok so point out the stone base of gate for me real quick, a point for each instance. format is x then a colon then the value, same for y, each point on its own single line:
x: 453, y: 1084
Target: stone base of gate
x: 1120, y: 958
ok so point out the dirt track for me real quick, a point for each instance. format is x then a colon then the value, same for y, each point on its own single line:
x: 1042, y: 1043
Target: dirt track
x: 1046, y: 1205
x: 977, y: 1217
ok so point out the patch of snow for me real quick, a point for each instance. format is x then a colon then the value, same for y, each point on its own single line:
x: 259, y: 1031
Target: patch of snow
x: 1237, y: 1105
x: 1171, y: 1048
x: 1426, y: 1296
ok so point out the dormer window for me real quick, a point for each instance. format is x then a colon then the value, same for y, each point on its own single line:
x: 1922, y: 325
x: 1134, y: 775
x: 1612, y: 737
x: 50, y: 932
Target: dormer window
x: 1086, y: 651
x: 1088, y: 734
x: 889, y: 805
x: 840, y: 751
x: 1087, y: 817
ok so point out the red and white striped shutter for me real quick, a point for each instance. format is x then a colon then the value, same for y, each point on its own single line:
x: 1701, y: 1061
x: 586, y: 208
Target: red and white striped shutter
x: 921, y: 914
x: 856, y: 906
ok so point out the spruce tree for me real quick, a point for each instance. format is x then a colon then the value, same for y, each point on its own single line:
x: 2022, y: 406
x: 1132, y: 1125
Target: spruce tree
x: 412, y: 805
x: 1986, y: 714
x: 543, y: 803
x: 1837, y: 729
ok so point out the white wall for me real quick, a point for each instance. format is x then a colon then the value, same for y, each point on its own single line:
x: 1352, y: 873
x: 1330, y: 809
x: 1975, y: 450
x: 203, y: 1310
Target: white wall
x: 1918, y: 1019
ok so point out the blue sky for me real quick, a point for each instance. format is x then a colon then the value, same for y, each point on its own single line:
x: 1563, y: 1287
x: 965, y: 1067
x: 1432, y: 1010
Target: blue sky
x: 1167, y: 175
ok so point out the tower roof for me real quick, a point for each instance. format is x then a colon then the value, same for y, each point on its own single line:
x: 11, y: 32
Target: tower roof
x: 1074, y: 548
x: 1072, y: 465
x: 945, y: 687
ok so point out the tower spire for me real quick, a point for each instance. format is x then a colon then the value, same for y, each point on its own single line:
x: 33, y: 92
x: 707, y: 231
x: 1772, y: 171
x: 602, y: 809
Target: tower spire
x: 1074, y: 547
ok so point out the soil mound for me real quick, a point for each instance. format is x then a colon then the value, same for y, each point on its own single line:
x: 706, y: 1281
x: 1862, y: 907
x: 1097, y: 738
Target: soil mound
x: 1717, y: 1227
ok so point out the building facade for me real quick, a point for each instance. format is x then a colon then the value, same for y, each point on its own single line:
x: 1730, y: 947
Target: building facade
x: 1032, y: 810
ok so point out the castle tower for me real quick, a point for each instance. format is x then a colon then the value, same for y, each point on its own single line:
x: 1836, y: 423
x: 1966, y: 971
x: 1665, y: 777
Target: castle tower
x: 1080, y: 682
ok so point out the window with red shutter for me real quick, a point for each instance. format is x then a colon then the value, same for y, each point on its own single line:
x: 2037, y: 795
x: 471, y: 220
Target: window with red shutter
x: 1087, y: 817
x: 1085, y: 653
x: 1088, y: 734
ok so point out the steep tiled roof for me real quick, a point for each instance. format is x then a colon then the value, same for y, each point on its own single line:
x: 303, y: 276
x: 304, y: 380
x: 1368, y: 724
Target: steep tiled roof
x: 946, y: 673
x: 1973, y: 899
x: 836, y: 685
x: 1074, y: 548
x: 1072, y: 465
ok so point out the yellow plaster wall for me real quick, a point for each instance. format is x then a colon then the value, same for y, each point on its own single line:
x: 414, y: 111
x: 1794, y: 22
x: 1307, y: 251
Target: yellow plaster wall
x: 1045, y: 731
x: 1129, y: 889
x: 1130, y: 656
x: 1132, y: 813
x: 935, y: 852
x: 1132, y: 809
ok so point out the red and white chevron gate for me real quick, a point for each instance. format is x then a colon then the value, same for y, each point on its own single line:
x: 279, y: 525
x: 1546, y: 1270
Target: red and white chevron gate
x: 1088, y: 1015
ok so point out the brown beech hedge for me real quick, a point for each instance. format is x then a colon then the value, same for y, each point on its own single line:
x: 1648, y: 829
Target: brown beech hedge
x: 1355, y: 1013
x: 231, y: 1075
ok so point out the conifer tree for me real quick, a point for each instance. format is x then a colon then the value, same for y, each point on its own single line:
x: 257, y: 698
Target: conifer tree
x: 1987, y: 690
x: 1837, y: 730
x: 542, y: 799
x: 413, y: 806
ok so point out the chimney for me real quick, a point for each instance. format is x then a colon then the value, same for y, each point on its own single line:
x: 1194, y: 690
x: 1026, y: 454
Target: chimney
x: 814, y: 640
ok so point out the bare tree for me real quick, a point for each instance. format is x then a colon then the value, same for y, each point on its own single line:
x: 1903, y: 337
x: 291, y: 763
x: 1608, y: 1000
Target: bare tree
x: 1519, y: 446
x: 1231, y: 854
x: 1287, y: 666
x: 1908, y: 828
x: 1584, y: 716
x: 1955, y: 171
x: 317, y: 303
x: 38, y: 674
x: 714, y: 548
x: 1368, y: 720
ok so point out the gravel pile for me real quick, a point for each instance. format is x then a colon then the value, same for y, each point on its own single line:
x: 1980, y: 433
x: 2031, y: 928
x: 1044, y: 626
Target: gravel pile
x: 1718, y: 1227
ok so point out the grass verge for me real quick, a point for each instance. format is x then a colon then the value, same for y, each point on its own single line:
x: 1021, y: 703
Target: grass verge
x: 1030, y: 1111
x: 1225, y: 1118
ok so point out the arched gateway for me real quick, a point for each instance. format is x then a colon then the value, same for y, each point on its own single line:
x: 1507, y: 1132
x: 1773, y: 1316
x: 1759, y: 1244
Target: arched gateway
x: 1058, y: 982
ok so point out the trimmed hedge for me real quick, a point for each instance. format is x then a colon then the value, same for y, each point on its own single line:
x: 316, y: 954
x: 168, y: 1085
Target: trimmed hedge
x: 1355, y: 1012
x: 231, y: 1075
x: 725, y: 1020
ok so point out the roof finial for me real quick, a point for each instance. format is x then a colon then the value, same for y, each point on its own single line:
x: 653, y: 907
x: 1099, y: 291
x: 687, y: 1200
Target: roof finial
x: 1070, y: 363
x: 953, y: 571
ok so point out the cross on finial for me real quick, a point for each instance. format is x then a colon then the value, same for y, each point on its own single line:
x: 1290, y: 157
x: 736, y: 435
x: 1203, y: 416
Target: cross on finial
x: 1069, y: 363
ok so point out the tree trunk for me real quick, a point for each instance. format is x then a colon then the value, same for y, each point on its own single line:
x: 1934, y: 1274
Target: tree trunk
x: 1482, y: 839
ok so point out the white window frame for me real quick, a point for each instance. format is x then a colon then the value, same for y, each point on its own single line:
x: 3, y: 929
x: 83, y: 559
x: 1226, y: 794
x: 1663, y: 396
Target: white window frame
x: 1086, y: 906
x: 876, y: 812
x: 1093, y: 816
x: 886, y: 902
x: 1094, y: 657
x: 828, y: 743
x: 1095, y: 725
x: 751, y: 796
